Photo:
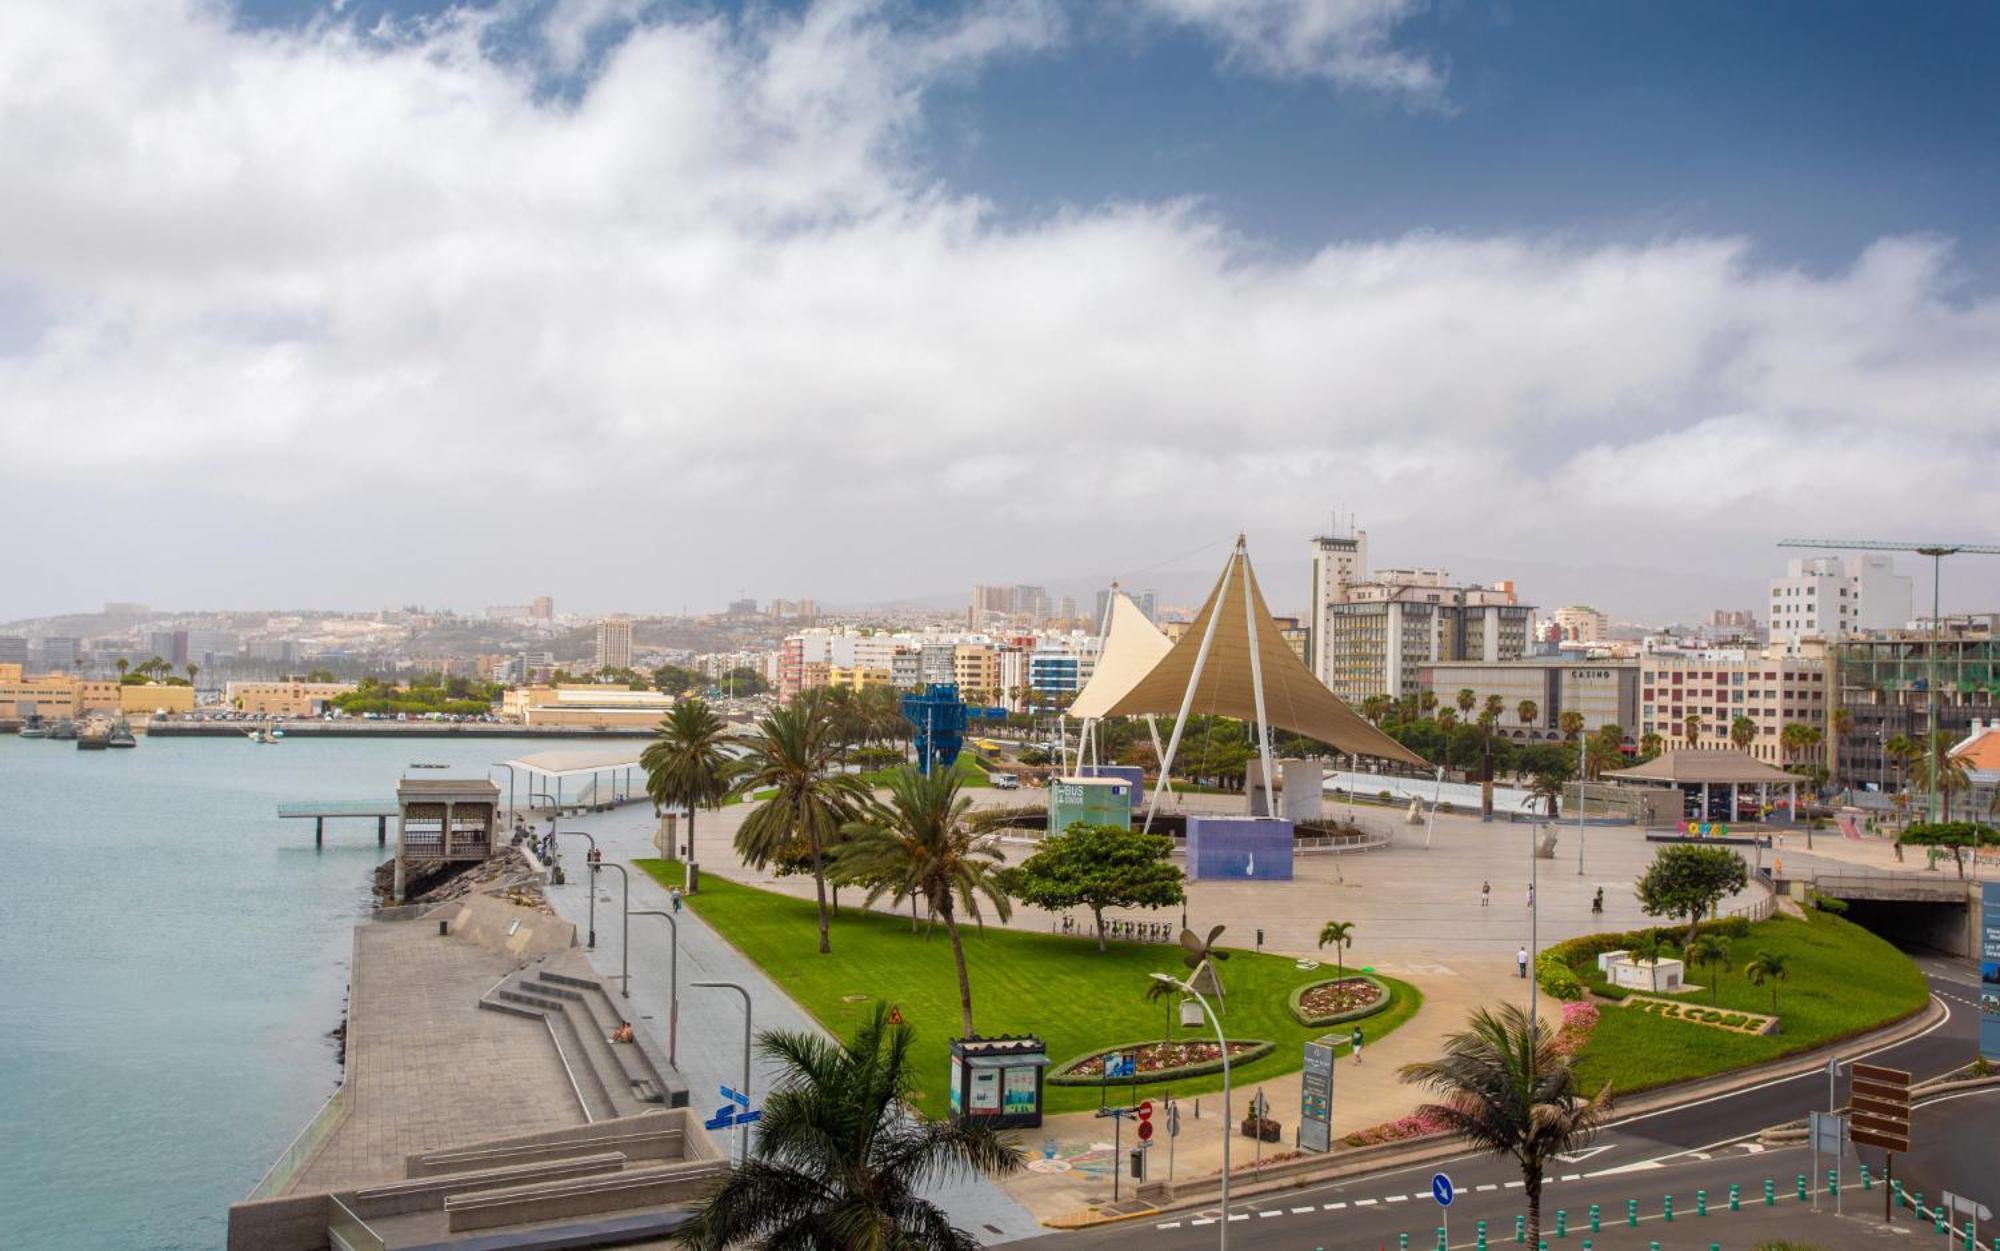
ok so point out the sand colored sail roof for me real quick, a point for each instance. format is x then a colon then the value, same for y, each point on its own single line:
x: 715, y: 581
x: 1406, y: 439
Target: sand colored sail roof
x: 1294, y: 699
x: 1132, y: 646
x: 1720, y: 766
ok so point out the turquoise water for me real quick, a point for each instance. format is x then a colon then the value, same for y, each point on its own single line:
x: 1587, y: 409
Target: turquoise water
x: 172, y: 957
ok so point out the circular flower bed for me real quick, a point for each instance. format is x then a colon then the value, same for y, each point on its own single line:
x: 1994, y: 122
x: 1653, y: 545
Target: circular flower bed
x: 1339, y: 999
x: 1158, y: 1061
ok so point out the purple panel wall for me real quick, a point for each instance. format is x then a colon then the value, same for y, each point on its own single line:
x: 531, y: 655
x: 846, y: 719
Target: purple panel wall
x: 1242, y: 848
x: 1131, y: 773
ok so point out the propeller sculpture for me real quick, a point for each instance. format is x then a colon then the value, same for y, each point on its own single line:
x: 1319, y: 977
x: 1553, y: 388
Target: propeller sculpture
x: 1201, y: 957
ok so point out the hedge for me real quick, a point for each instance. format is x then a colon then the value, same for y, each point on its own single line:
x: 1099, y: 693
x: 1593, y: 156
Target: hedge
x: 1560, y: 968
x: 1297, y: 1004
x: 1063, y: 1074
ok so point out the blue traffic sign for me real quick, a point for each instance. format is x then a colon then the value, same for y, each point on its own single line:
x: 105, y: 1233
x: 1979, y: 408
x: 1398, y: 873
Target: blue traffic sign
x: 735, y: 1097
x: 1441, y: 1190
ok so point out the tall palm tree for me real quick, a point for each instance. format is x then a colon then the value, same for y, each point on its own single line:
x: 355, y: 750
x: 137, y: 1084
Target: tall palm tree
x: 685, y: 764
x: 1841, y: 721
x: 1427, y: 701
x: 1651, y: 744
x: 121, y: 664
x: 1691, y: 728
x: 1793, y: 739
x: 1742, y: 732
x: 914, y: 844
x: 1467, y: 699
x: 1527, y: 711
x: 1341, y: 935
x: 1376, y: 707
x: 1503, y: 1086
x: 1711, y: 950
x: 1769, y: 966
x: 1938, y: 769
x: 192, y: 670
x: 841, y: 1160
x: 1571, y: 725
x: 793, y: 756
x: 1900, y: 748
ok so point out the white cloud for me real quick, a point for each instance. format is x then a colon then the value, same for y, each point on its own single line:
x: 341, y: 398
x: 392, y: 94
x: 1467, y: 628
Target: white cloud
x: 384, y: 285
x: 1347, y: 42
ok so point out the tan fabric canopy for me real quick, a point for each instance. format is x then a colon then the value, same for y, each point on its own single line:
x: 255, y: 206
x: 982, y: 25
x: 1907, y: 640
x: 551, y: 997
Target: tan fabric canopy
x: 1294, y: 699
x: 1132, y: 646
x: 1712, y: 765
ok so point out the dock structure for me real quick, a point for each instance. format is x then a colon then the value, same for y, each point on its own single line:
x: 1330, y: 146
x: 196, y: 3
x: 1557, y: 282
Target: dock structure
x: 444, y: 819
x: 320, y: 811
x: 610, y: 776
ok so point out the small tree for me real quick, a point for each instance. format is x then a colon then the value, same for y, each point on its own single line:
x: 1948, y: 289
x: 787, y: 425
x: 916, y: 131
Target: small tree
x: 1711, y: 950
x: 1955, y: 836
x: 1742, y: 732
x: 1341, y: 935
x: 1768, y: 966
x: 1688, y: 880
x: 1099, y: 867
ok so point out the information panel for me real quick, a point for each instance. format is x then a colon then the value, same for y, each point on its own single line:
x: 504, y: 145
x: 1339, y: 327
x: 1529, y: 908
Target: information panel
x: 1316, y: 1099
x: 1989, y: 971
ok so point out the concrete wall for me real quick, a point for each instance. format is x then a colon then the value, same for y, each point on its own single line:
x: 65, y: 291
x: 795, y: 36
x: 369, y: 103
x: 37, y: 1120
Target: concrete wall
x: 287, y: 1223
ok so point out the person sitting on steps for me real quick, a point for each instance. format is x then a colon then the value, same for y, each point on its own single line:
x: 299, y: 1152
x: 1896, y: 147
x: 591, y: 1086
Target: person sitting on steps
x: 623, y: 1034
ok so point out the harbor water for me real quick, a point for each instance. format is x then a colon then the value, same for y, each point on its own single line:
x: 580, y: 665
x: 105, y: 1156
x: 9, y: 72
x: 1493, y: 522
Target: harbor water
x: 172, y: 960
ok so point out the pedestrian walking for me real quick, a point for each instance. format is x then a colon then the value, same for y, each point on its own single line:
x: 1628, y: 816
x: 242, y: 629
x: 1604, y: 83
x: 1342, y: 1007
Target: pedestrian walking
x: 1485, y: 894
x: 674, y: 896
x: 1521, y: 961
x: 1531, y: 896
x: 1354, y: 1042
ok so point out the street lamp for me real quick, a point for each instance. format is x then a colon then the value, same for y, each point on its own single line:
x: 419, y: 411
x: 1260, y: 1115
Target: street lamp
x: 625, y: 925
x: 591, y: 859
x: 1222, y: 1044
x: 673, y: 982
x: 742, y: 1130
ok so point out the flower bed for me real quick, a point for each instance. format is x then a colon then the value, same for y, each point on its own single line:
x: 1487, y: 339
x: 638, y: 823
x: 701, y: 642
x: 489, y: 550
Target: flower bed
x: 1578, y: 1020
x: 1415, y: 1125
x: 1158, y: 1061
x: 1733, y: 1020
x: 1339, y: 999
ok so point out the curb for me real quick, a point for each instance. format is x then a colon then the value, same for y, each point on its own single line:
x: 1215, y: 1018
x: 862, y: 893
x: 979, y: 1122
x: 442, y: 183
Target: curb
x: 1387, y: 1156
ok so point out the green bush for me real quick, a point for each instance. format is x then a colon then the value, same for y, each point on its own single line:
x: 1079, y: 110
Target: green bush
x: 1064, y: 1074
x: 1568, y: 968
x: 1557, y: 978
x: 1297, y: 1003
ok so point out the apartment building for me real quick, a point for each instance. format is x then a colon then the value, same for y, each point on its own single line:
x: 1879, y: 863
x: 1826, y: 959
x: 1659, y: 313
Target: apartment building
x: 614, y: 643
x: 1580, y: 623
x: 1384, y: 632
x: 1885, y: 681
x: 1606, y: 692
x: 1339, y: 561
x: 1771, y: 689
x: 1832, y: 597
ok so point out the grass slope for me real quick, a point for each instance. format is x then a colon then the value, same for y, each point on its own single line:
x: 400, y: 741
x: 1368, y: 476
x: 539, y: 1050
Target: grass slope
x: 1060, y: 988
x: 1844, y: 981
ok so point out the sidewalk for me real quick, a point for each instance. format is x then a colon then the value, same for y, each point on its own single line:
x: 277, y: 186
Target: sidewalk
x: 710, y: 1045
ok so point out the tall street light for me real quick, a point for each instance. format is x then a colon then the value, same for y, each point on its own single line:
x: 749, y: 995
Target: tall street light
x: 673, y: 981
x: 590, y: 858
x: 743, y: 1131
x: 1222, y: 1044
x: 625, y: 924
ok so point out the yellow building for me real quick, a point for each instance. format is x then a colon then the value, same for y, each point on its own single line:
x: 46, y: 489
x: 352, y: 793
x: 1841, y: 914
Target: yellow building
x: 58, y: 695
x: 598, y: 707
x: 859, y: 678
x: 975, y: 667
x: 284, y: 699
x: 153, y: 697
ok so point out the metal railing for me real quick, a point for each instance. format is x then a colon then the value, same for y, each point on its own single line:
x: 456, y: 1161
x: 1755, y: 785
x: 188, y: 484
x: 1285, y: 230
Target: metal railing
x: 294, y: 1157
x: 348, y: 1232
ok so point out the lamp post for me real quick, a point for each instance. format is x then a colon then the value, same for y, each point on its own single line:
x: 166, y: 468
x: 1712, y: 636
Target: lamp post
x: 673, y: 981
x: 625, y: 923
x: 591, y: 859
x: 1222, y: 1045
x: 743, y: 1131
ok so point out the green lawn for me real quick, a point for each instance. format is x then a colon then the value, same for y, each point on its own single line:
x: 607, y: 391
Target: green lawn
x: 1062, y: 989
x: 971, y: 773
x: 1843, y: 981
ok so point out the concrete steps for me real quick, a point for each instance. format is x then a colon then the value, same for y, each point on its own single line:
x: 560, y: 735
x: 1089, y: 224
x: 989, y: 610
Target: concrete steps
x: 612, y: 1079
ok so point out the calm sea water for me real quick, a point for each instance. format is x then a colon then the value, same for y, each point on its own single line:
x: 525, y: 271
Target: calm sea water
x: 172, y: 957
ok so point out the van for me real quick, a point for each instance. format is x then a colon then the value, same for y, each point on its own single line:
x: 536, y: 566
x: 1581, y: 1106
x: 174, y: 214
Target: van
x: 1004, y: 781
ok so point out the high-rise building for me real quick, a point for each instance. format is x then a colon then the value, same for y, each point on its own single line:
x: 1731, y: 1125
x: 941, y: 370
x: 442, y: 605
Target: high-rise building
x: 542, y: 608
x: 1031, y: 602
x: 1383, y: 632
x: 1769, y: 691
x: 989, y: 602
x: 1339, y: 561
x: 1831, y: 597
x: 1885, y: 684
x: 169, y: 645
x: 14, y: 651
x: 1580, y: 623
x: 60, y: 653
x: 742, y: 608
x: 614, y: 643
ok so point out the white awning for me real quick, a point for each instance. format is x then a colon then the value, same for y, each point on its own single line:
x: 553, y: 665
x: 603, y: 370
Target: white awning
x: 1132, y: 646
x: 570, y: 763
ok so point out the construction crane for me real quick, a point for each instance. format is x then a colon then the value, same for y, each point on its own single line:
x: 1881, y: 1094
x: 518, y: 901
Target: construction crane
x: 1937, y: 552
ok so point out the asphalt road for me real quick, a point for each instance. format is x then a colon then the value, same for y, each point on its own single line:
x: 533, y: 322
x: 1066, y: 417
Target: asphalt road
x: 1707, y: 1144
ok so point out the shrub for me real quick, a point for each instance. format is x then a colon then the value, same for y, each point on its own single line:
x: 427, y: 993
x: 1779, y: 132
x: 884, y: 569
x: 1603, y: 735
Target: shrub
x: 1556, y: 977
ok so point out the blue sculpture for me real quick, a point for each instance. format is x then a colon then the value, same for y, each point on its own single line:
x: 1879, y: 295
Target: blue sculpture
x: 939, y: 717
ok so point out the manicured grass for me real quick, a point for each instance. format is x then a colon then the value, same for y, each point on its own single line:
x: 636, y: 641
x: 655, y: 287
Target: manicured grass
x: 1843, y: 981
x: 971, y: 773
x: 1062, y: 989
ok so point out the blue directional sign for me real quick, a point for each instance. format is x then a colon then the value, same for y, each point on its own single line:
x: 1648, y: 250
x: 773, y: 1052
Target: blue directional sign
x: 729, y: 1115
x: 1441, y: 1190
x: 736, y: 1097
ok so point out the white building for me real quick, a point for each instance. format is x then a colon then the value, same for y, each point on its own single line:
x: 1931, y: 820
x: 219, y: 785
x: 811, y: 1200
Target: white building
x: 1580, y: 623
x: 1339, y: 561
x: 1385, y: 632
x: 614, y: 643
x: 1835, y: 596
x: 1771, y: 691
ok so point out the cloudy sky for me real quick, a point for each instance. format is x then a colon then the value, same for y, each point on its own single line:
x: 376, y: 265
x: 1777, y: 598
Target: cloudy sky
x: 644, y: 303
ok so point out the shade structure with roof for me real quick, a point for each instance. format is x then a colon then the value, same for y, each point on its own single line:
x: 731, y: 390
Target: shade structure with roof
x: 1709, y: 774
x: 1132, y: 646
x: 591, y: 776
x: 1234, y: 662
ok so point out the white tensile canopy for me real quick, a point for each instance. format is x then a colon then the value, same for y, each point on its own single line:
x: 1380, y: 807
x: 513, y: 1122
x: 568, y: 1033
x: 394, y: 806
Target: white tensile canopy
x: 1132, y: 647
x: 1234, y: 662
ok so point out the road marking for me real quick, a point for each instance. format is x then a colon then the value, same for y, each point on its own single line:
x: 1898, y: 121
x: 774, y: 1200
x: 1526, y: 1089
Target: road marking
x: 1570, y: 1177
x: 1272, y: 1212
x: 1700, y: 1155
x: 1754, y: 1148
x: 1398, y: 1199
x: 1331, y: 1207
x: 1302, y: 1211
x: 1170, y: 1225
x: 1363, y: 1203
x: 1487, y: 1186
x: 1202, y: 1220
x: 1238, y: 1216
x: 1514, y: 1185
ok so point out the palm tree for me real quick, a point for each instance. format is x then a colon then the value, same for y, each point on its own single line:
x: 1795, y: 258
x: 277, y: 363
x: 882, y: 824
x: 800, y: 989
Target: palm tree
x: 1527, y: 711
x: 1649, y: 948
x: 1900, y: 748
x: 1742, y: 732
x: 192, y: 670
x: 121, y: 664
x: 1651, y: 744
x: 1711, y: 950
x: 1503, y: 1086
x: 793, y: 756
x: 1427, y: 701
x: 1793, y: 739
x: 841, y: 1159
x: 1768, y: 966
x: 1691, y: 728
x: 1467, y: 698
x: 1341, y: 935
x: 1571, y: 725
x: 1937, y: 769
x: 1376, y: 707
x: 914, y: 844
x: 1547, y: 784
x: 1446, y: 719
x: 686, y: 766
x: 1841, y: 720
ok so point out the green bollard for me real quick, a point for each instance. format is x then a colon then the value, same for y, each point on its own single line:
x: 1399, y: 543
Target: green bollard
x: 1542, y: 1245
x: 1667, y: 1209
x: 1970, y: 1240
x: 1735, y: 1197
x: 1770, y: 1192
x: 1701, y: 1203
x: 1442, y: 1244
x: 1802, y: 1187
x: 1586, y: 1244
x: 1482, y: 1236
x: 1832, y: 1184
x: 1594, y: 1226
x: 1866, y: 1182
x: 1403, y: 1242
x: 1562, y: 1222
x: 1520, y: 1229
x: 1632, y: 1212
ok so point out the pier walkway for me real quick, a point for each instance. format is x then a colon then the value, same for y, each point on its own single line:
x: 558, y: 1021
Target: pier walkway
x: 319, y: 811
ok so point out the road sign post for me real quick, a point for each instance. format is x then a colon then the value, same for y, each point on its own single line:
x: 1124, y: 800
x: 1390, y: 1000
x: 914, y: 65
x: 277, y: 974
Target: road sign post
x: 1441, y: 1191
x: 1879, y: 1103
